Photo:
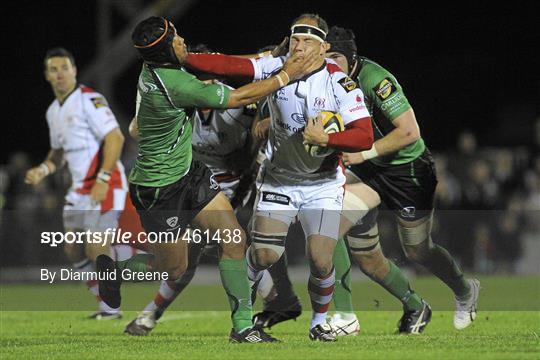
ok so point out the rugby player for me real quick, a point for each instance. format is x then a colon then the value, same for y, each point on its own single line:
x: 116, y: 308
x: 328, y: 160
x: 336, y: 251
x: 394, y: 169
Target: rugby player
x: 400, y: 168
x: 221, y: 140
x: 170, y: 190
x: 291, y: 182
x: 85, y: 134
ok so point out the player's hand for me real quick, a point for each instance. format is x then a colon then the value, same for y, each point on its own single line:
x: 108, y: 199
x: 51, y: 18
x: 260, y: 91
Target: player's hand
x: 352, y: 158
x: 314, y: 132
x: 34, y: 175
x: 99, y: 192
x: 299, y: 64
x: 260, y: 132
x: 281, y: 49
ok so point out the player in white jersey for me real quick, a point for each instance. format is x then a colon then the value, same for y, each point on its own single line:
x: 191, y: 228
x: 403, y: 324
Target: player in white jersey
x: 85, y: 134
x: 291, y: 182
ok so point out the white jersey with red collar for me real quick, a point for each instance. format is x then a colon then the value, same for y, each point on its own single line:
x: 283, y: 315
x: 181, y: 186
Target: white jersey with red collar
x: 78, y: 127
x: 326, y: 89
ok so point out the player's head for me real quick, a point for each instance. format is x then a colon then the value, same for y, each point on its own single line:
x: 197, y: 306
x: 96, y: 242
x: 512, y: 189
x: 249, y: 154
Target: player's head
x: 60, y: 70
x: 308, y: 34
x: 157, y: 41
x: 342, y: 48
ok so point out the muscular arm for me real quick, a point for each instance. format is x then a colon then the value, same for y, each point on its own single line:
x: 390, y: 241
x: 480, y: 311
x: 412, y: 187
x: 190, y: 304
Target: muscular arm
x: 405, y: 133
x: 225, y: 65
x: 112, y: 148
x: 220, y: 64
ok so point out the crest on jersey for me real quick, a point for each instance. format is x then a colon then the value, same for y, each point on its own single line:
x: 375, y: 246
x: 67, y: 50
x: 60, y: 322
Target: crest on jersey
x: 99, y: 102
x: 319, y: 103
x: 384, y: 89
x: 347, y: 83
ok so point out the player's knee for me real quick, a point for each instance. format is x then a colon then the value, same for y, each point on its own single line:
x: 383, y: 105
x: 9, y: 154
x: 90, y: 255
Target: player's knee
x: 175, y: 272
x: 321, y: 267
x: 371, y: 263
x: 417, y: 253
x: 268, y: 248
x: 266, y: 257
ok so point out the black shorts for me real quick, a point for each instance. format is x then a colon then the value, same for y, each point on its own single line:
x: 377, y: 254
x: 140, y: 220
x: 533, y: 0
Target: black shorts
x: 172, y: 207
x: 407, y: 189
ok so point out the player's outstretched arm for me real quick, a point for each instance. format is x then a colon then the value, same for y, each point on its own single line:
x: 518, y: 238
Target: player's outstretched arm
x: 54, y: 160
x: 405, y: 133
x: 295, y: 67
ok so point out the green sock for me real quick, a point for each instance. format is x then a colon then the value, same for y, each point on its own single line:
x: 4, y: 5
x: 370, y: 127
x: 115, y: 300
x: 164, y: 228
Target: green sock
x: 235, y: 282
x: 442, y: 265
x: 342, y: 290
x: 398, y: 285
x: 137, y: 263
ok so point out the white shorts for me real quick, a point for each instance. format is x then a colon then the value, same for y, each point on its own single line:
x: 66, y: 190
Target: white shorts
x: 317, y: 206
x: 81, y: 214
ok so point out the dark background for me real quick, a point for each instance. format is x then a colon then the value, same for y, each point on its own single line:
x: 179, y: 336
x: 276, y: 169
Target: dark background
x: 462, y: 66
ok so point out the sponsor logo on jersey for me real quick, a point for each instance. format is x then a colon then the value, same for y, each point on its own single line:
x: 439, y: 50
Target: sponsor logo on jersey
x: 408, y: 212
x: 275, y: 198
x: 347, y: 84
x: 289, y: 127
x: 357, y: 108
x: 393, y: 103
x: 319, y: 103
x: 99, y: 102
x: 384, y: 89
x: 172, y: 221
x: 298, y: 118
x: 280, y: 95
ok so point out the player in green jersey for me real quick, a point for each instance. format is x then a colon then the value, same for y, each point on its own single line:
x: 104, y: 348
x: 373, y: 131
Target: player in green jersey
x: 170, y: 190
x: 400, y: 168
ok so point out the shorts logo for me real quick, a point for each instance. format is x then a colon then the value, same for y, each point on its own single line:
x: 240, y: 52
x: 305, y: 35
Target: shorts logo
x: 214, y: 185
x: 384, y: 89
x: 172, y: 221
x: 275, y: 198
x: 408, y: 212
x: 347, y: 83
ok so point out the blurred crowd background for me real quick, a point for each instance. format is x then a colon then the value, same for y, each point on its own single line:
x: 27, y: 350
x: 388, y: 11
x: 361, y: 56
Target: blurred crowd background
x: 462, y: 66
x: 488, y: 210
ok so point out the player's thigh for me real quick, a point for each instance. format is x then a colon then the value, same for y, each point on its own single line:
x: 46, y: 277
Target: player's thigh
x: 218, y: 217
x: 359, y: 199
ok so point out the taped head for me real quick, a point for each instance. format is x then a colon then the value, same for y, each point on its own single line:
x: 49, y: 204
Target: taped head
x: 153, y: 38
x: 342, y: 41
x: 317, y: 29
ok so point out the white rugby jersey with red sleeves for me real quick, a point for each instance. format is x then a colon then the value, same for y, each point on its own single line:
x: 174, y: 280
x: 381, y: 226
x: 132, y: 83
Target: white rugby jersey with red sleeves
x: 78, y: 127
x: 325, y: 89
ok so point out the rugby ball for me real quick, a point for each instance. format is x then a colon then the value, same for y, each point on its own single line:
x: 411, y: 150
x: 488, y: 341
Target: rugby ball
x: 332, y: 123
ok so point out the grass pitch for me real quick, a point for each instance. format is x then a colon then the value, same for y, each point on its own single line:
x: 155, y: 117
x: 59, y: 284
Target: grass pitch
x: 507, y: 327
